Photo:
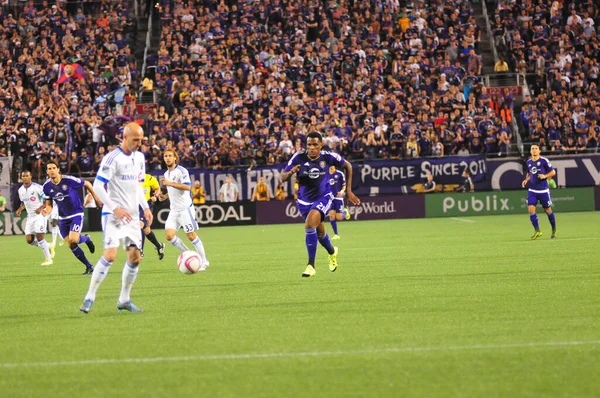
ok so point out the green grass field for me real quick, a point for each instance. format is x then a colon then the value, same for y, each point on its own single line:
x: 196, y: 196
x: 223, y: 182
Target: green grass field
x: 430, y: 307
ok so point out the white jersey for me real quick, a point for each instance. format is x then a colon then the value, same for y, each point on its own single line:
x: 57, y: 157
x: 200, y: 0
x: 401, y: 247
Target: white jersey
x: 122, y: 175
x: 180, y: 199
x: 33, y: 197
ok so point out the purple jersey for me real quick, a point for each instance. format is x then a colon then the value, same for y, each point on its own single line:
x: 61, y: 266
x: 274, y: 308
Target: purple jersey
x: 337, y: 182
x: 540, y: 166
x: 66, y: 195
x: 313, y: 176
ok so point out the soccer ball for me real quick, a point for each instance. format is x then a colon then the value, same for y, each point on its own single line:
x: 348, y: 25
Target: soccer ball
x: 189, y: 262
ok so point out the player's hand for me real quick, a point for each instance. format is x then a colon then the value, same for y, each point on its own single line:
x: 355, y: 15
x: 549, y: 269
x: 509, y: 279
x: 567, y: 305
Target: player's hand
x: 153, y: 198
x: 123, y: 215
x: 524, y: 183
x: 340, y: 194
x: 148, y: 216
x: 167, y: 183
x: 352, y: 198
x: 18, y: 212
x: 295, y: 169
x: 542, y: 176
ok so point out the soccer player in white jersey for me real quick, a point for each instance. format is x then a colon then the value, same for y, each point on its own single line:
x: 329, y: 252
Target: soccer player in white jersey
x: 32, y: 199
x: 54, y: 229
x: 118, y: 186
x: 177, y: 181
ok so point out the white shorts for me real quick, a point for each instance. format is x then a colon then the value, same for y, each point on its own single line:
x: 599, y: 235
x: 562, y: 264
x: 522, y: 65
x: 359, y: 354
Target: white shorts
x: 35, y: 224
x: 115, y: 231
x: 185, y: 219
x: 54, y: 213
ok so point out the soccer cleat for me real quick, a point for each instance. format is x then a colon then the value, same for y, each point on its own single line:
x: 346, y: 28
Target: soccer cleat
x: 309, y: 272
x: 142, y: 253
x: 205, y: 266
x: 90, y: 245
x: 52, y: 252
x: 536, y: 235
x: 88, y: 271
x: 129, y: 306
x: 161, y: 251
x: 346, y: 213
x: 333, y: 260
x: 335, y: 237
x: 62, y: 242
x: 553, y: 236
x: 47, y: 262
x: 86, y: 306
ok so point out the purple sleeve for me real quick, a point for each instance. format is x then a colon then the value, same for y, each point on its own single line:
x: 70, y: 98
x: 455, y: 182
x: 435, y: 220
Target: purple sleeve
x: 549, y: 167
x: 292, y: 162
x: 336, y: 160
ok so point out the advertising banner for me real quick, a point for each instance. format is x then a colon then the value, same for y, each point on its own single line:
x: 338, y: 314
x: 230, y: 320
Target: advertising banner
x: 571, y: 171
x: 388, y: 175
x: 446, y: 170
x: 211, y: 214
x: 508, y: 202
x: 371, y: 208
x: 10, y: 224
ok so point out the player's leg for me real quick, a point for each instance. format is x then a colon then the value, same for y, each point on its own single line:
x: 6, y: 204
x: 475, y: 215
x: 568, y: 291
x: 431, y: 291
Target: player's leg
x: 172, y: 225
x: 188, y: 222
x: 333, y: 222
x: 532, y: 201
x: 69, y: 230
x: 160, y: 247
x: 41, y: 238
x: 547, y: 205
x: 54, y: 229
x: 98, y: 275
x: 313, y: 220
x: 332, y: 251
x: 129, y: 275
x: 111, y: 228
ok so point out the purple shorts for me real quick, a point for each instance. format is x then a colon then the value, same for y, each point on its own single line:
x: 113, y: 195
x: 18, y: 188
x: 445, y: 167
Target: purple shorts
x: 322, y: 205
x: 542, y: 197
x: 337, y: 205
x: 67, y: 225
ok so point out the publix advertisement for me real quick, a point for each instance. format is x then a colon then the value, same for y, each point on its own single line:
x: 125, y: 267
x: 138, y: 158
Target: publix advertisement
x: 506, y: 202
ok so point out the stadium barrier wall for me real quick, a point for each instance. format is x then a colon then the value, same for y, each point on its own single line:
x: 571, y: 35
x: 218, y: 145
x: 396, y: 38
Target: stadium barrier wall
x: 371, y: 208
x: 505, y: 202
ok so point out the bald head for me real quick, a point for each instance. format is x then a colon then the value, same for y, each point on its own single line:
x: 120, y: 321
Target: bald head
x: 132, y: 137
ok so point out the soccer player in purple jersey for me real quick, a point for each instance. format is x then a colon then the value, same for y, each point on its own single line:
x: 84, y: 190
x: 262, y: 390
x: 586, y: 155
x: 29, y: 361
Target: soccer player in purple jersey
x: 539, y: 170
x: 64, y: 190
x: 338, y: 212
x: 311, y: 167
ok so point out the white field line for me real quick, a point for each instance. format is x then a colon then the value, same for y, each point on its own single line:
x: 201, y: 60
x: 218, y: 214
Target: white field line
x: 310, y: 354
x: 461, y: 219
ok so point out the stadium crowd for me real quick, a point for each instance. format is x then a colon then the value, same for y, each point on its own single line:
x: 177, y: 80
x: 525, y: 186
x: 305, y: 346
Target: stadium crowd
x: 244, y: 82
x: 558, y: 46
x: 44, y: 116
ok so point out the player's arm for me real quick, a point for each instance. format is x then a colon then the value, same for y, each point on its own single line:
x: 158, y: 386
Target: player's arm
x: 20, y: 209
x: 550, y: 174
x: 285, y: 175
x: 88, y: 199
x: 526, y: 180
x: 349, y: 194
x: 87, y: 185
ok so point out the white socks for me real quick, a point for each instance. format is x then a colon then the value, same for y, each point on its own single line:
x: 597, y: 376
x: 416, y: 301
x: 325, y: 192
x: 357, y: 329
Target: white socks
x: 45, y: 248
x: 100, y: 272
x: 200, y: 249
x: 179, y: 244
x: 54, y: 235
x: 128, y: 277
